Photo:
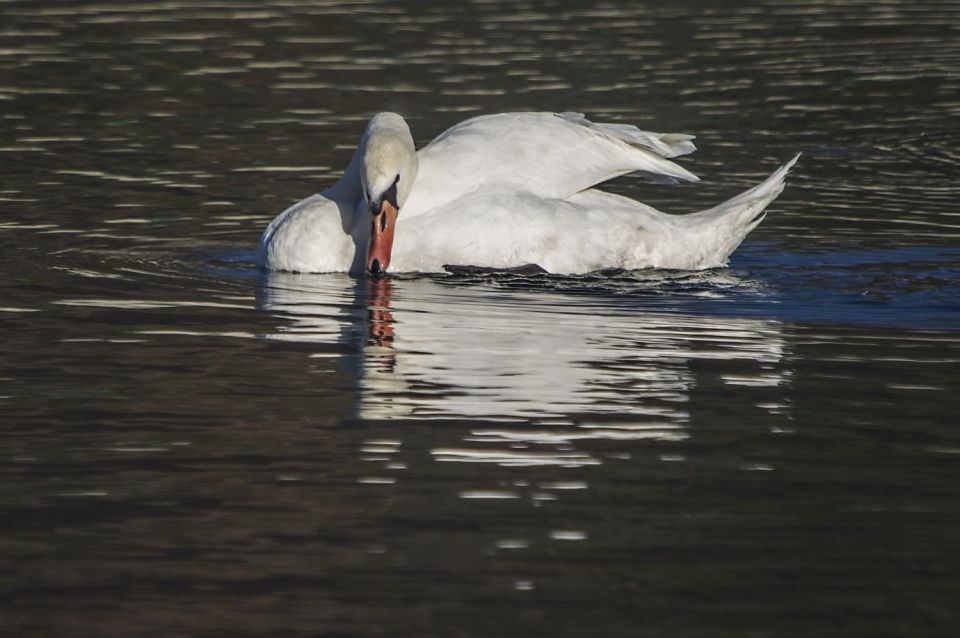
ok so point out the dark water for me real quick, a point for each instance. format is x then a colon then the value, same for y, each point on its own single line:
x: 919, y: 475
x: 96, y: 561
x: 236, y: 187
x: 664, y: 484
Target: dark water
x: 191, y: 447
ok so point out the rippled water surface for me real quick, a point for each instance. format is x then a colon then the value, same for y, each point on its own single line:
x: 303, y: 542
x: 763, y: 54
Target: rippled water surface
x: 193, y: 447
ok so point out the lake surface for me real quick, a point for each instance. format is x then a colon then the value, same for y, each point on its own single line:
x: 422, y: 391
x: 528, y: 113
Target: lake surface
x: 193, y: 447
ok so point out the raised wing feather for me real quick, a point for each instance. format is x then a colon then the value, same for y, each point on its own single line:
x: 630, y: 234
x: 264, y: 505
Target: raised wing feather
x: 664, y: 144
x: 545, y: 154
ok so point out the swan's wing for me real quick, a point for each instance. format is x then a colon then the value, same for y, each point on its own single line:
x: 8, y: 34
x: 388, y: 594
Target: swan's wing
x: 547, y: 154
x: 663, y: 144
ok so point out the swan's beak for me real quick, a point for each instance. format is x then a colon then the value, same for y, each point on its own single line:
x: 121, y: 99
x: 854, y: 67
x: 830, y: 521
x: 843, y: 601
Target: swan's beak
x: 381, y: 238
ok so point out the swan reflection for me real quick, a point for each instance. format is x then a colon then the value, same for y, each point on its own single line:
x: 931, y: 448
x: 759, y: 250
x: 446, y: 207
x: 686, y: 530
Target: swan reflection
x: 426, y: 349
x: 379, y: 312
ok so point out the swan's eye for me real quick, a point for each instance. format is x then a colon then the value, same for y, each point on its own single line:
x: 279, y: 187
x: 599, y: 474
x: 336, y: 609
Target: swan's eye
x: 391, y: 194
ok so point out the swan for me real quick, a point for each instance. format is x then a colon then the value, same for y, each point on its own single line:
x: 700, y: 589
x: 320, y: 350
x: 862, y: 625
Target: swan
x: 504, y: 191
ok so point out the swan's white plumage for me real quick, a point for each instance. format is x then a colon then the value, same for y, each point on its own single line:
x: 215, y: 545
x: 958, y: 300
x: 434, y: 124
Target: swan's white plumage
x: 545, y: 154
x: 512, y: 189
x: 587, y: 231
x: 308, y: 237
x: 386, y: 146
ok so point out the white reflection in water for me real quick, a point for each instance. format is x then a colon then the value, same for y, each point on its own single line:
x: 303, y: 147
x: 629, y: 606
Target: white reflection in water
x: 582, y: 368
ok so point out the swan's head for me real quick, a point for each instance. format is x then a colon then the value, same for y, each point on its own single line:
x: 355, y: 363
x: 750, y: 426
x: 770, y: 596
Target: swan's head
x: 387, y: 173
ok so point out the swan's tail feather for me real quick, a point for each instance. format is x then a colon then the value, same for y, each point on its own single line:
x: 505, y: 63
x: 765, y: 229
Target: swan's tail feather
x: 767, y: 189
x: 729, y: 223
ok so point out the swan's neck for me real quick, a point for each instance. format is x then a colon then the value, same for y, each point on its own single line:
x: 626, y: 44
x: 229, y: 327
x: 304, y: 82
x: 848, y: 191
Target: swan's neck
x: 348, y: 190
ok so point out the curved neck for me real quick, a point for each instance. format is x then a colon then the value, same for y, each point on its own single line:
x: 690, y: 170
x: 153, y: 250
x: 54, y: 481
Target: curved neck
x: 348, y: 190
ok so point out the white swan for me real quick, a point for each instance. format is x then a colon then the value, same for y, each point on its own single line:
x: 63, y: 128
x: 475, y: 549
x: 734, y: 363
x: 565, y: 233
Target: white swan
x: 504, y: 191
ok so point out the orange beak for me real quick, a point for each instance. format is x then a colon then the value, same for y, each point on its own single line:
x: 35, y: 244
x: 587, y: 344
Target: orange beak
x: 381, y: 238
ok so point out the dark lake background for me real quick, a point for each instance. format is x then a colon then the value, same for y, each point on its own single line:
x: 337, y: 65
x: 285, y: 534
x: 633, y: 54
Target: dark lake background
x: 192, y: 447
